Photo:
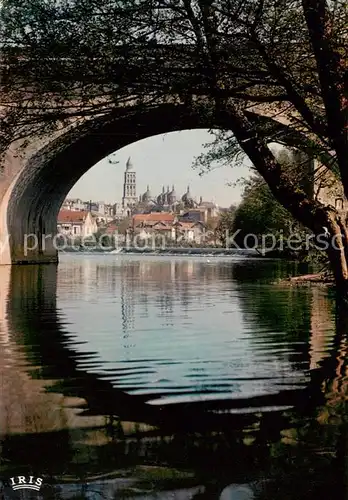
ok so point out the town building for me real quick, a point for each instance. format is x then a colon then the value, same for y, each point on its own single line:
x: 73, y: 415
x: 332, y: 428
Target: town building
x: 211, y: 209
x: 75, y: 204
x: 327, y: 190
x: 185, y: 207
x: 118, y: 212
x: 102, y: 218
x: 76, y: 223
x: 148, y: 225
x: 317, y: 180
x: 167, y: 225
x: 190, y: 231
x: 100, y: 207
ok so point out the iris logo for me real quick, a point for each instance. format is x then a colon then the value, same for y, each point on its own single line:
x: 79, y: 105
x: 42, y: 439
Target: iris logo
x: 26, y: 483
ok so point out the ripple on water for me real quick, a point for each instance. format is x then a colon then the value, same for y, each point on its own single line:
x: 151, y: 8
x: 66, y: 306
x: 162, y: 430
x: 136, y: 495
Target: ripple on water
x: 184, y: 330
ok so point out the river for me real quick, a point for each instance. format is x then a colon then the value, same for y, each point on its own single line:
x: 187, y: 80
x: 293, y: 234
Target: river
x: 171, y: 377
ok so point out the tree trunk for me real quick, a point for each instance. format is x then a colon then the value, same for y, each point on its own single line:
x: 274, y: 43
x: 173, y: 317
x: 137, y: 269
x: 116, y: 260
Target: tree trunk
x: 337, y: 254
x: 311, y: 213
x: 339, y: 270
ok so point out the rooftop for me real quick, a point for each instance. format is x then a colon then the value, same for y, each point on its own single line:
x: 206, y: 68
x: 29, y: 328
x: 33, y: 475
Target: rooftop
x: 66, y: 216
x: 154, y: 217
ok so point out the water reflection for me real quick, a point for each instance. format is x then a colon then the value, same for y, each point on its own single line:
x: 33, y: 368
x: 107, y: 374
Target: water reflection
x: 191, y: 330
x: 96, y: 410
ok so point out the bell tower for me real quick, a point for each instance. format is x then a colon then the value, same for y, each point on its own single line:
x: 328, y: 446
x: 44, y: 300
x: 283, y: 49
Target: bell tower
x: 129, y: 198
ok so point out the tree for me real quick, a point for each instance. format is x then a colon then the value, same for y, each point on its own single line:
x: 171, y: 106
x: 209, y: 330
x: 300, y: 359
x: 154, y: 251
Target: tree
x: 260, y: 214
x: 262, y: 221
x: 225, y: 225
x: 253, y: 59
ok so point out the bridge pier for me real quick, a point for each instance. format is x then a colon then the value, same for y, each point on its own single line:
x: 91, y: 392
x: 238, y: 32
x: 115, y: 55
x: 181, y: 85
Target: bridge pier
x: 31, y: 252
x: 22, y: 247
x: 27, y: 217
x: 30, y: 239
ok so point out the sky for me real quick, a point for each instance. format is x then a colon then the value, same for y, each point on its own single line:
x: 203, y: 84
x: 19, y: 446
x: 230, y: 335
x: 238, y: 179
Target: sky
x: 162, y: 160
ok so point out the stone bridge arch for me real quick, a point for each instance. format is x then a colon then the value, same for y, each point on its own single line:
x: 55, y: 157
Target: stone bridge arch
x: 35, y: 180
x: 35, y: 184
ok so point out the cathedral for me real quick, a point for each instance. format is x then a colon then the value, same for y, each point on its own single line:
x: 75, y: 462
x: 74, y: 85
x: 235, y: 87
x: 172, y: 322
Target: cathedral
x: 129, y: 199
x: 166, y: 201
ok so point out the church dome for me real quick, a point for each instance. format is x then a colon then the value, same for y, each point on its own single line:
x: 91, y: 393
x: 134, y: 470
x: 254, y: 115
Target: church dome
x: 172, y: 196
x: 172, y: 192
x: 161, y: 197
x: 187, y: 196
x: 147, y: 195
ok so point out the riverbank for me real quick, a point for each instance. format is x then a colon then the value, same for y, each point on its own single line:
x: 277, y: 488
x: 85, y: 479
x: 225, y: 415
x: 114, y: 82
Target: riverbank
x: 324, y: 278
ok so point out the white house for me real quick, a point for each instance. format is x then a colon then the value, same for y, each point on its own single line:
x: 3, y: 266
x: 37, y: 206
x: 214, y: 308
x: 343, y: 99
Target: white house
x: 190, y: 231
x: 76, y: 223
